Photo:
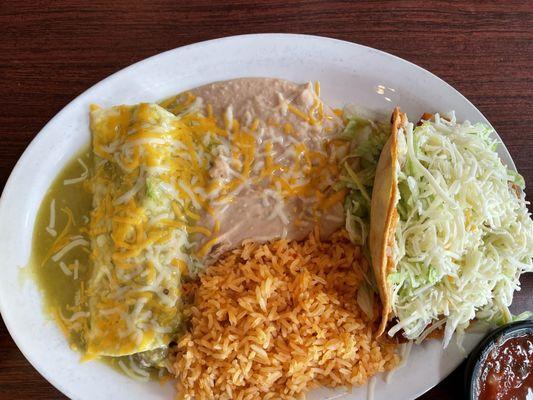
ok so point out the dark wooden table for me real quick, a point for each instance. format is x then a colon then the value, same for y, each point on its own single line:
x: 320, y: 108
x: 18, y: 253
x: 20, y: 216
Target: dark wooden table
x: 51, y: 51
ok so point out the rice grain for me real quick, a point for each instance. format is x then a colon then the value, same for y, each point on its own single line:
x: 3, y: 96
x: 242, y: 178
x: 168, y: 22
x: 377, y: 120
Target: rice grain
x: 271, y: 321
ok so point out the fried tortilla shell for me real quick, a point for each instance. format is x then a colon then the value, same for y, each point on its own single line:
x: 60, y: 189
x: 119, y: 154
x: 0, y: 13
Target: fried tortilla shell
x: 384, y: 215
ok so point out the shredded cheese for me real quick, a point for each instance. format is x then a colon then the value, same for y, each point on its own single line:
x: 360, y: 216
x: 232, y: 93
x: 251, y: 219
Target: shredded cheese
x: 75, y: 243
x: 83, y: 177
x: 162, y: 175
x: 52, y: 224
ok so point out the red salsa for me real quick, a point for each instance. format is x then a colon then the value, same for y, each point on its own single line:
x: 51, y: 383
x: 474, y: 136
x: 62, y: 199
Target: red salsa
x: 507, y: 372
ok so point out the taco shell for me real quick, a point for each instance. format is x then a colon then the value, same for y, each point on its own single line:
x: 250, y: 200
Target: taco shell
x: 384, y: 214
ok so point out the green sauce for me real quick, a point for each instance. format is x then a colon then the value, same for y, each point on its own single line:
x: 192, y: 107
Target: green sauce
x: 60, y: 290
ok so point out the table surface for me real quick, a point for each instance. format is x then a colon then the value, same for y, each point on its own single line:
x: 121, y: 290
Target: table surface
x: 51, y: 51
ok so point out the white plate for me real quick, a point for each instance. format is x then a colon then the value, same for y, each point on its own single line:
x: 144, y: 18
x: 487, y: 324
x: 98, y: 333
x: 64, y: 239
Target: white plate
x: 348, y: 73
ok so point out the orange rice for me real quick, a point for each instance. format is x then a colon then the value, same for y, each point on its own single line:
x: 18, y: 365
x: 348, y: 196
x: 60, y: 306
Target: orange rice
x: 271, y: 321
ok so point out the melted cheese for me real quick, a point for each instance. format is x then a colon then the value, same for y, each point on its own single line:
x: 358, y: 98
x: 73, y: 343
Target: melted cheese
x: 148, y: 165
x: 158, y: 172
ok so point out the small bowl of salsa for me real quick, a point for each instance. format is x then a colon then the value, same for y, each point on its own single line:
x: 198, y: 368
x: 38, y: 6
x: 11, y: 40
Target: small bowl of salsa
x: 501, y: 367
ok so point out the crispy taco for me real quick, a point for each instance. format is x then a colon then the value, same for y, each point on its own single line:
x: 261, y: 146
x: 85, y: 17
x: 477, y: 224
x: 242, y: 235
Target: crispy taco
x: 449, y: 233
x: 383, y: 212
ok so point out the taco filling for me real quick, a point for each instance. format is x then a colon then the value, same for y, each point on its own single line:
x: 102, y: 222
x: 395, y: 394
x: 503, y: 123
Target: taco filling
x: 450, y: 232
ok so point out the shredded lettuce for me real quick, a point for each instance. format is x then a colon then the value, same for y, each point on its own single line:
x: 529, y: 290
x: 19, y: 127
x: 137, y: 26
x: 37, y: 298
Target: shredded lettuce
x: 365, y: 299
x: 464, y: 236
x: 367, y: 137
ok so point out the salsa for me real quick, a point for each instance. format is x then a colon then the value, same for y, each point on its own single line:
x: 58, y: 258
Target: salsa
x: 507, y: 372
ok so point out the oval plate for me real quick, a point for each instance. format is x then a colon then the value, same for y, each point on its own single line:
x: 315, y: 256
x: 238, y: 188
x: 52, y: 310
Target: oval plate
x: 349, y: 73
